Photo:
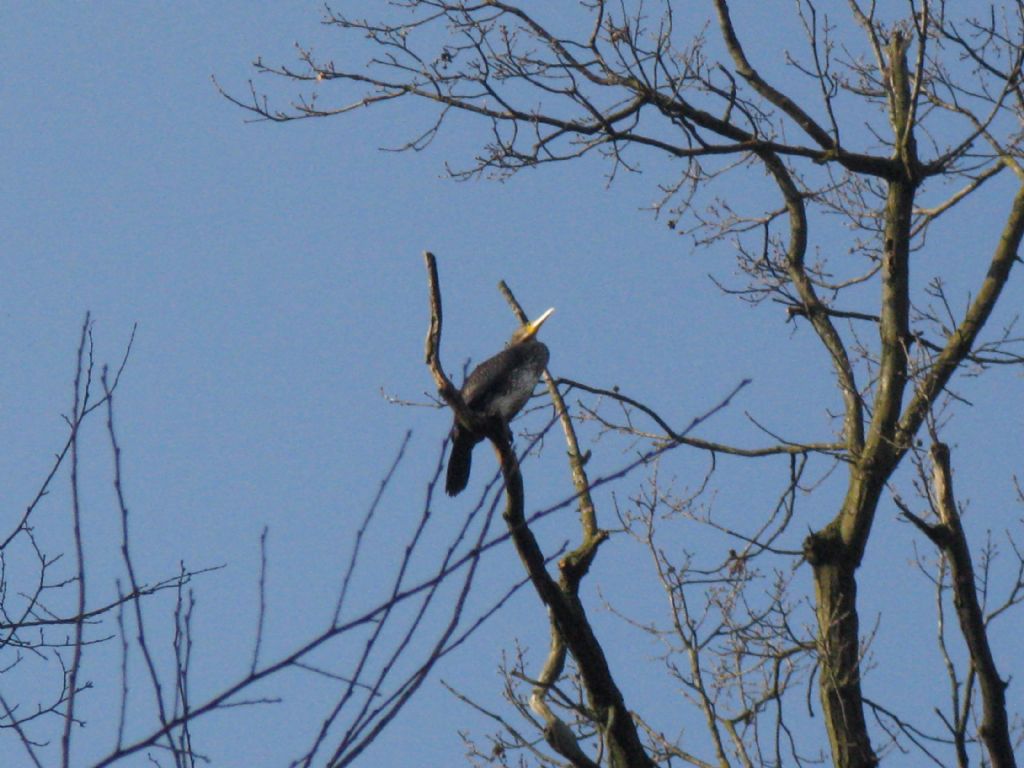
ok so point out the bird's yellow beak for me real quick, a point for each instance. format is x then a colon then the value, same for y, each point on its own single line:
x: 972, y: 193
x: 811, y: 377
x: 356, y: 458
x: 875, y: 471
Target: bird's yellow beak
x: 530, y: 329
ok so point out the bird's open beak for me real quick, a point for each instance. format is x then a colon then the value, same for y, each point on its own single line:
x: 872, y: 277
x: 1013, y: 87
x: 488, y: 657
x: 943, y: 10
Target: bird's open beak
x: 532, y: 328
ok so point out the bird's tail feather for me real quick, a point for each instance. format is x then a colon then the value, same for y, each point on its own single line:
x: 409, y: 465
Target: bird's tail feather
x: 460, y: 462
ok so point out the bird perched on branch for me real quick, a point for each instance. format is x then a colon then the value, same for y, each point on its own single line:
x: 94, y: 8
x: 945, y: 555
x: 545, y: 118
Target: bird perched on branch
x: 498, y: 388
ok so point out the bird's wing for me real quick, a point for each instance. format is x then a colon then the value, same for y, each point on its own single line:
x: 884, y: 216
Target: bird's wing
x: 486, y: 376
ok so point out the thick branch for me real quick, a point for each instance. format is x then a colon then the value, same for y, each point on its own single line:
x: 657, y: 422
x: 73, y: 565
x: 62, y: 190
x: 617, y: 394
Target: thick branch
x: 569, y: 618
x: 573, y: 567
x: 567, y: 614
x: 779, y: 99
x: 962, y: 339
x: 950, y: 537
x: 853, y: 421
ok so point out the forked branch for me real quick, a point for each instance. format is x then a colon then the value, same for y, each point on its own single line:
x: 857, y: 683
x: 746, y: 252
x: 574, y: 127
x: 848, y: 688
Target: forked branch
x: 568, y: 617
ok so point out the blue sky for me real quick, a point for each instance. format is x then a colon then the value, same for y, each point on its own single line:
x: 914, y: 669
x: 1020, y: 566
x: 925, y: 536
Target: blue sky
x: 274, y: 272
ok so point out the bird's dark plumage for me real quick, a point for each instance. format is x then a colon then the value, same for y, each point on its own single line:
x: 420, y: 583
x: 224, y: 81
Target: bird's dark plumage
x: 498, y: 388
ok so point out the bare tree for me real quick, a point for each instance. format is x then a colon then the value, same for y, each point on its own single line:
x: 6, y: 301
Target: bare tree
x: 880, y: 126
x: 889, y: 130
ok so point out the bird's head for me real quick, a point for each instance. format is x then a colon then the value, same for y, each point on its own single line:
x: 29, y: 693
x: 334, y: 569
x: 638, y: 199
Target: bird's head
x: 528, y: 331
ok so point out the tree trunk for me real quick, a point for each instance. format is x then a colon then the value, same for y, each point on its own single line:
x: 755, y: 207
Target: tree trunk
x: 839, y: 658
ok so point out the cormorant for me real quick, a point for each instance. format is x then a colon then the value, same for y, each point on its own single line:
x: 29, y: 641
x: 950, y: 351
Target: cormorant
x: 497, y: 388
